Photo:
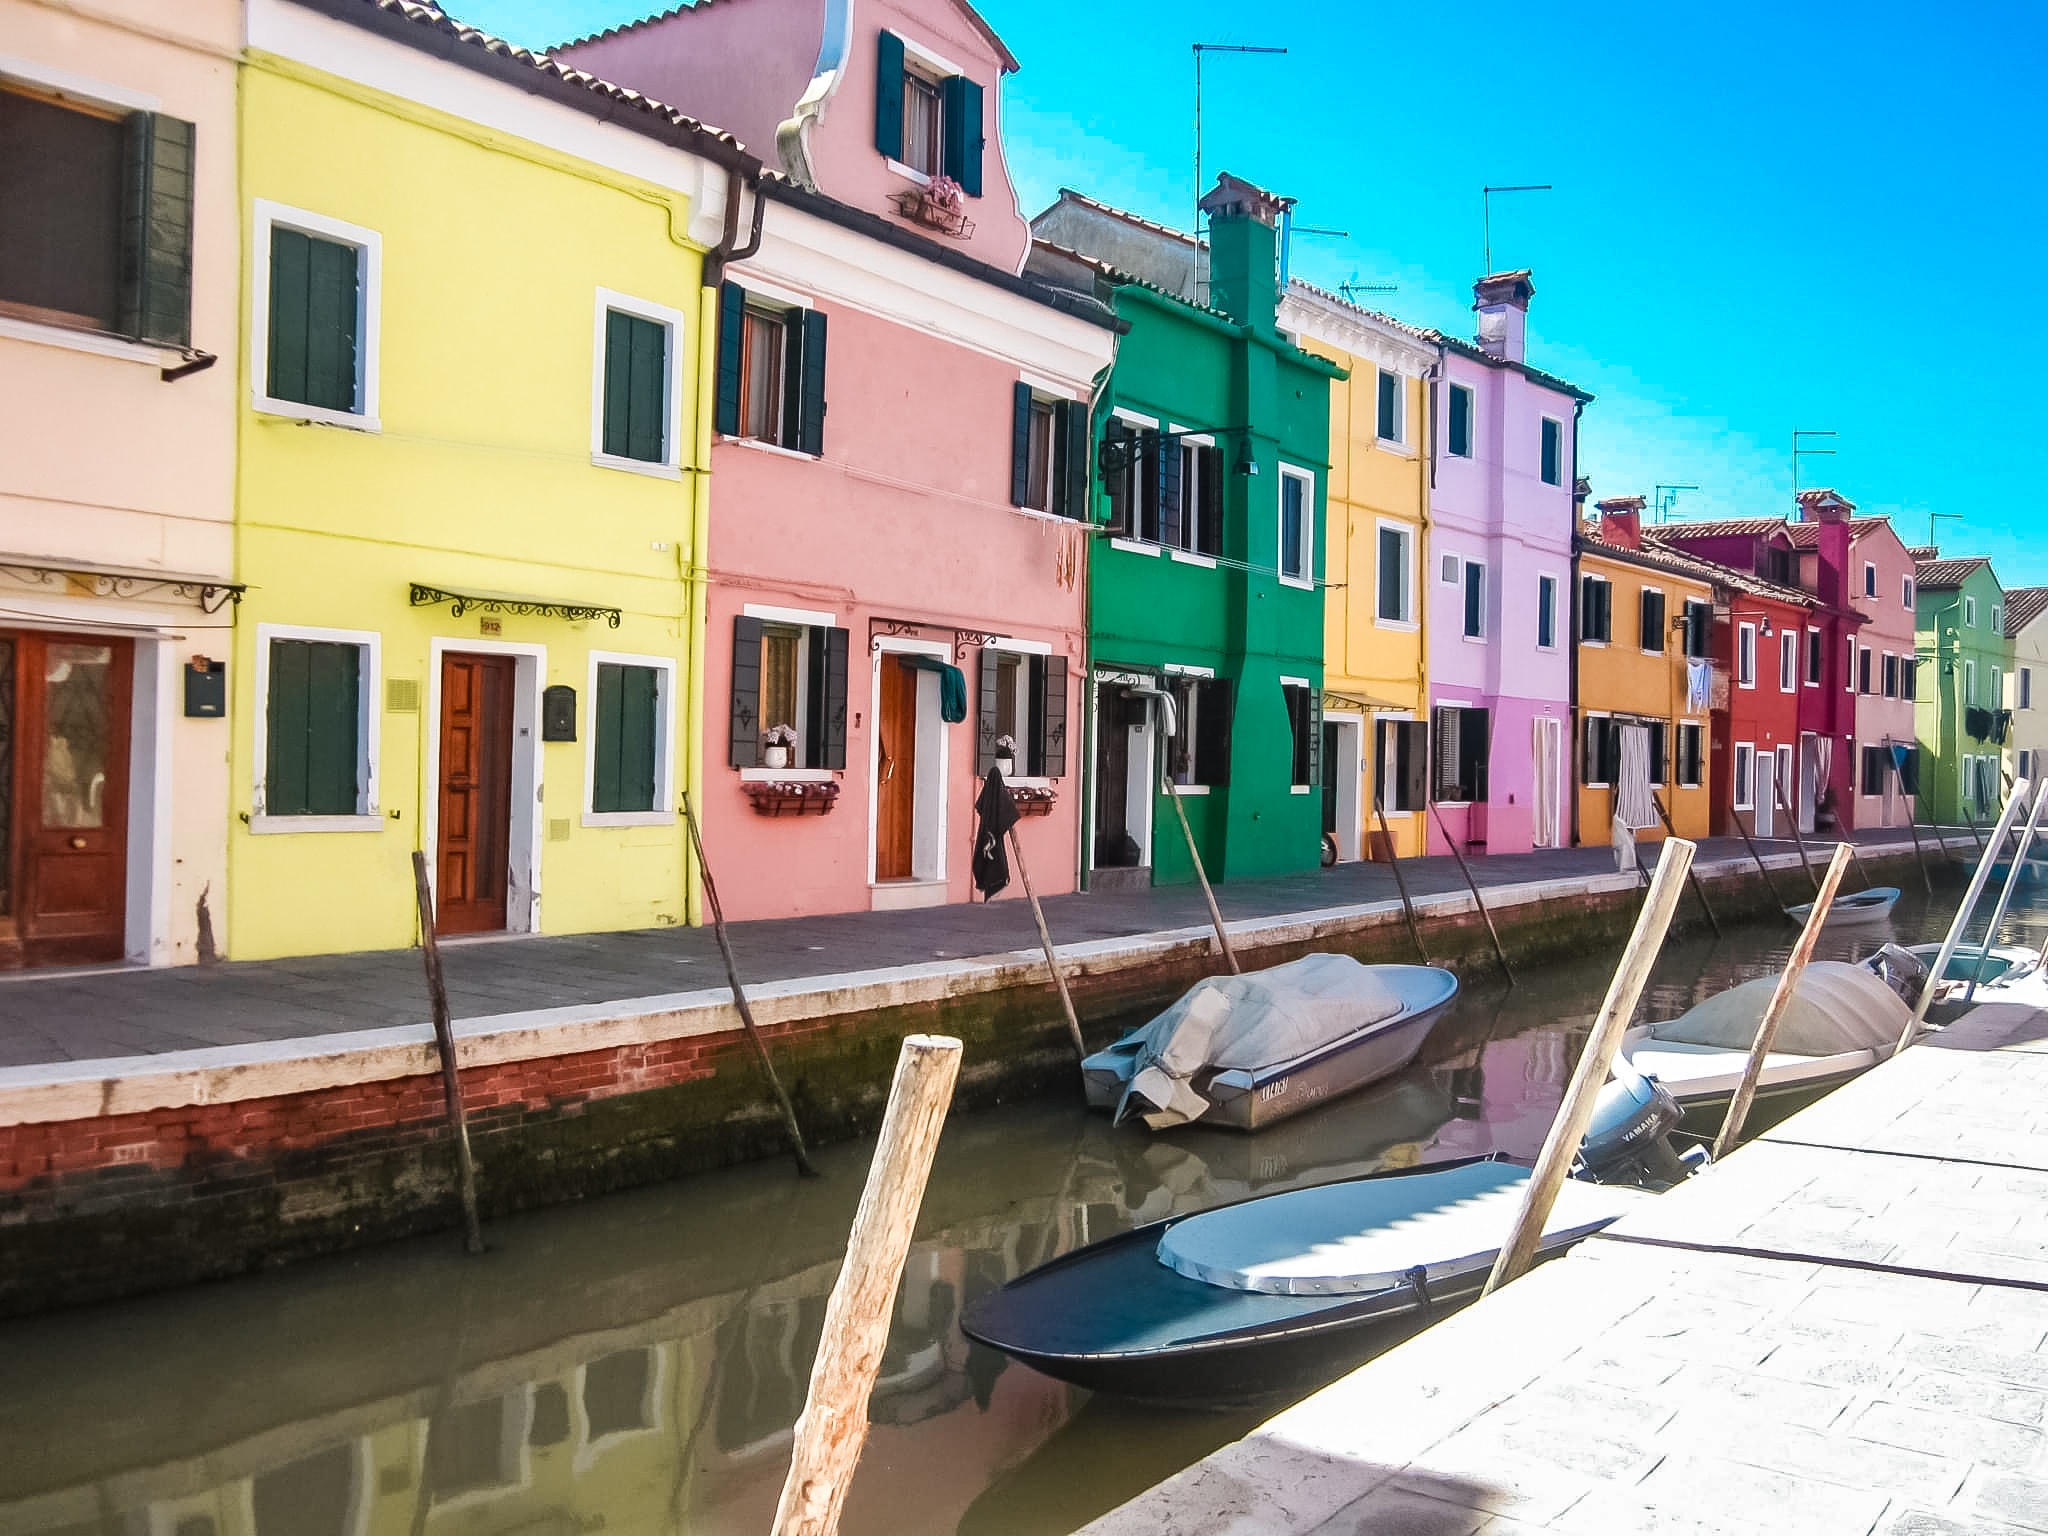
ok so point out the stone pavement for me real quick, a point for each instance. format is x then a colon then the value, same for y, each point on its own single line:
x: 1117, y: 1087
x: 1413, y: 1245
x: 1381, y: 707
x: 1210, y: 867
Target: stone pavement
x: 89, y: 1016
x: 1842, y: 1328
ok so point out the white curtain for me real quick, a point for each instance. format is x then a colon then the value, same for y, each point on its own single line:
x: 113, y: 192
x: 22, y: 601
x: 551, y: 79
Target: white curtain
x: 1632, y: 794
x: 1549, y: 749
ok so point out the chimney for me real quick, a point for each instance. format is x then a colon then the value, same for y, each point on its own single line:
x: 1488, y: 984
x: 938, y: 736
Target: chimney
x: 1244, y: 252
x: 1503, y: 304
x: 1825, y: 507
x: 1832, y: 511
x: 1621, y: 521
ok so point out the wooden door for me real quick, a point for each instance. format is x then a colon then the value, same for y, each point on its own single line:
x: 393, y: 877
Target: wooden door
x: 896, y: 771
x: 64, y: 718
x: 475, y: 833
x: 1113, y: 842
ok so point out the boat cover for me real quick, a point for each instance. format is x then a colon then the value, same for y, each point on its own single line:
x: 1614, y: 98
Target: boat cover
x: 1251, y: 1022
x: 1838, y: 1008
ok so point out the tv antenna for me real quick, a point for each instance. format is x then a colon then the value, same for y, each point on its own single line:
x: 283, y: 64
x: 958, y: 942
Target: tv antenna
x: 1664, y: 500
x: 1200, y: 49
x: 1486, y: 213
x: 1933, y: 517
x: 1801, y: 451
x: 1353, y: 288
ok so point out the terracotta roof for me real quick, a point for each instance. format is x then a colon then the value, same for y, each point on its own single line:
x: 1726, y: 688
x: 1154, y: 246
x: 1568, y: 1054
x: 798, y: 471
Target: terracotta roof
x: 423, y: 25
x: 1923, y: 551
x: 1669, y: 561
x: 2023, y: 605
x: 1722, y: 527
x: 1728, y: 576
x: 1479, y: 354
x: 1003, y: 54
x: 1380, y: 316
x: 1807, y: 535
x: 1946, y: 575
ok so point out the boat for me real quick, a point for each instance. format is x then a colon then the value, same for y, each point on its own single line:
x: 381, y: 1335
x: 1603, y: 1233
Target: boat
x: 1843, y: 1020
x: 1868, y: 906
x: 1283, y: 1291
x: 1994, y: 968
x: 1248, y: 1051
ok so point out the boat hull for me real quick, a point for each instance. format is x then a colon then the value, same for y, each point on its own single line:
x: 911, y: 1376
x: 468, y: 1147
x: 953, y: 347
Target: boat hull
x: 1343, y: 1069
x: 1871, y: 906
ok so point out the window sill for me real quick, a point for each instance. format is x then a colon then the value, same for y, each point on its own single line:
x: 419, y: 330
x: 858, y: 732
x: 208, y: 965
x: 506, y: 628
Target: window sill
x: 96, y: 343
x: 1044, y: 516
x: 1301, y: 789
x: 1300, y: 583
x: 788, y: 775
x: 315, y: 415
x: 1184, y: 557
x: 266, y: 826
x: 636, y: 466
x: 907, y: 172
x: 1389, y: 445
x: 1031, y: 781
x: 755, y: 445
x: 1405, y: 626
x: 628, y: 818
x: 1189, y: 791
x: 1134, y: 546
x: 1473, y: 639
x: 1593, y: 645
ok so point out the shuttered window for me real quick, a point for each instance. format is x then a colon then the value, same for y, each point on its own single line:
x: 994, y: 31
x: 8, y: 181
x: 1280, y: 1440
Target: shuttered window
x: 625, y: 738
x: 1390, y: 424
x: 1048, y: 453
x: 1199, y: 752
x: 1403, y: 781
x: 1652, y: 620
x: 929, y: 122
x: 313, y: 725
x: 1600, y: 751
x: 1546, y: 612
x: 771, y: 371
x: 787, y: 674
x: 1475, y: 600
x: 1460, y: 425
x: 1699, y: 628
x: 1024, y: 697
x: 1596, y: 609
x: 1395, y: 560
x: 1297, y: 526
x: 1553, y: 452
x: 636, y: 404
x: 315, y: 344
x: 1464, y: 750
x: 1691, y: 763
x: 1305, y: 726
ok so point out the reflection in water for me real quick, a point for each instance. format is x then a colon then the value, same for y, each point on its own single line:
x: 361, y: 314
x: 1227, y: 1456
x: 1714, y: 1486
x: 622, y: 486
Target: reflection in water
x: 635, y: 1364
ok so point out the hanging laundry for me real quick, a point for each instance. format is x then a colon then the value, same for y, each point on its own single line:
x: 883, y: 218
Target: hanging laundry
x: 1632, y: 790
x: 1699, y: 684
x: 995, y: 814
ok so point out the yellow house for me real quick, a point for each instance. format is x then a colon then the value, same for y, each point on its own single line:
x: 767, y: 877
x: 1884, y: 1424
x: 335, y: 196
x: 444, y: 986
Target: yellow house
x: 1641, y: 708
x: 469, y: 506
x: 1375, y: 691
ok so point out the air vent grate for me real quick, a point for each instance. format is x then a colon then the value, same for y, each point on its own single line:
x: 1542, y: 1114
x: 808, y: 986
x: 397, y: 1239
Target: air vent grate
x: 402, y: 695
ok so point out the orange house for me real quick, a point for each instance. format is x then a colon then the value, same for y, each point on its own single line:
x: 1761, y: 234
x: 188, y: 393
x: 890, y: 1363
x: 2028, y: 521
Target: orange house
x: 1643, y: 623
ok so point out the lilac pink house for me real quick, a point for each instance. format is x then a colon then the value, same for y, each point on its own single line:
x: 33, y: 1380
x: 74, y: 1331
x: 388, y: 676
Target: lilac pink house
x: 1499, y: 582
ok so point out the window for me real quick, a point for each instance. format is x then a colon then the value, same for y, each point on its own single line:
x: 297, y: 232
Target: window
x: 1909, y: 772
x: 1997, y: 689
x: 1650, y: 620
x: 1869, y: 579
x: 788, y: 669
x: 1133, y: 468
x: 1396, y: 576
x: 1659, y: 763
x: 1745, y: 655
x: 1699, y: 629
x: 1450, y: 569
x: 1745, y: 776
x: 1195, y: 523
x: 316, y: 725
x: 1553, y: 451
x: 1906, y: 591
x: 616, y: 1393
x: 1997, y: 619
x: 1049, y: 445
x: 1024, y: 697
x: 1297, y: 527
x: 1305, y: 723
x: 1475, y: 600
x: 1464, y: 741
x: 629, y: 768
x: 1460, y: 424
x: 771, y: 371
x: 1596, y: 609
x: 2026, y: 688
x: 1600, y: 751
x: 1403, y: 782
x: 1909, y: 677
x: 927, y: 120
x: 1970, y: 612
x: 1863, y: 669
x: 1546, y: 613
x: 1788, y: 660
x: 317, y: 291
x: 1691, y: 760
x: 1969, y: 683
x: 99, y: 216
x: 1815, y: 650
x: 1778, y: 565
x: 1198, y: 755
x: 1890, y: 676
x: 1874, y: 762
x: 638, y: 383
x: 1393, y: 425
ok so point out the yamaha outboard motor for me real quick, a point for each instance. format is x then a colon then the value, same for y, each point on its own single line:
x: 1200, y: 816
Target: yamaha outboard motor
x: 1628, y: 1141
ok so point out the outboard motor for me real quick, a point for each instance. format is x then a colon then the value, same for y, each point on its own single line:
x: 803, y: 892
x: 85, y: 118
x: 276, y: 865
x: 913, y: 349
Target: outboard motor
x: 1628, y: 1140
x: 1901, y: 970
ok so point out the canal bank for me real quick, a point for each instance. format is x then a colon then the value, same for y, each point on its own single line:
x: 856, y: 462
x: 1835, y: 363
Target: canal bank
x: 1843, y: 1327
x: 164, y: 1164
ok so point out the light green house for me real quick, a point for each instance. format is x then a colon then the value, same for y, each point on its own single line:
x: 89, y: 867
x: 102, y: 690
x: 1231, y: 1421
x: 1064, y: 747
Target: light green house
x: 1961, y: 659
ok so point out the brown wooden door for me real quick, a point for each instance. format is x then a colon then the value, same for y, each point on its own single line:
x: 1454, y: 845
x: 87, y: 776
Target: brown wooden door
x: 64, y: 724
x: 475, y: 833
x: 896, y: 771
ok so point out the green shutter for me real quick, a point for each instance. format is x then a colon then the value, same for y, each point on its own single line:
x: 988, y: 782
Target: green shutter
x: 635, y: 387
x: 990, y: 700
x: 1020, y: 443
x: 732, y: 319
x: 284, y: 776
x: 889, y: 95
x: 811, y: 418
x: 1073, y: 425
x: 156, y: 229
x: 313, y: 719
x: 743, y: 744
x: 1461, y: 421
x: 313, y: 320
x: 627, y: 733
x: 832, y: 748
x: 1389, y: 407
x: 961, y: 151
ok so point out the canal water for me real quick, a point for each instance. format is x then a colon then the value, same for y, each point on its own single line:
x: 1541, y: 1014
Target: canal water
x: 635, y: 1364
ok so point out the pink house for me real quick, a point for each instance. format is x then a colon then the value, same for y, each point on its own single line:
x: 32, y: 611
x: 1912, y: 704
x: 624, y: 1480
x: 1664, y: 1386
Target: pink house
x: 897, y: 556
x: 1499, y: 578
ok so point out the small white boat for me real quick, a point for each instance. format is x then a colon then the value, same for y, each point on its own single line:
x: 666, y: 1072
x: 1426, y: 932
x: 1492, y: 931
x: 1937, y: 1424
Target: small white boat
x: 1246, y: 1051
x: 1995, y: 969
x: 1871, y: 906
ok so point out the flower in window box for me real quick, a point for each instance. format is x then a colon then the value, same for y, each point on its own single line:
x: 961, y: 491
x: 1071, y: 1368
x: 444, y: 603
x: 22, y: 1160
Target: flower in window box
x: 1006, y: 755
x: 944, y: 192
x: 778, y: 740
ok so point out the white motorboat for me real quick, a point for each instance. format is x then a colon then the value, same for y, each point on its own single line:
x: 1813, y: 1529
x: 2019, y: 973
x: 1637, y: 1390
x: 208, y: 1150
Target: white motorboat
x: 1871, y: 906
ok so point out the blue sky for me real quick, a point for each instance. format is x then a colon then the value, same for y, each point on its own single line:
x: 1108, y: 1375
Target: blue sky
x: 1765, y: 218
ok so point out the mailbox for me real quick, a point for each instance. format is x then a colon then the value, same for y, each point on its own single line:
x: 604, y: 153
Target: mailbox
x: 558, y: 713
x: 206, y: 688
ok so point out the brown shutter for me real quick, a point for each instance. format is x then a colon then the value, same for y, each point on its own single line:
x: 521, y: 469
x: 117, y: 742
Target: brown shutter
x: 744, y: 747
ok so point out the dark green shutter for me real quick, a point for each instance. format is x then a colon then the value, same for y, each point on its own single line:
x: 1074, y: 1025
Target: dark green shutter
x: 1461, y: 421
x: 1050, y: 681
x: 1020, y: 446
x: 1389, y: 407
x: 313, y: 719
x: 635, y: 387
x: 1167, y: 449
x: 1212, y: 731
x: 889, y: 95
x: 961, y: 109
x: 1653, y: 620
x: 790, y: 432
x: 811, y: 417
x: 313, y: 320
x: 1411, y: 762
x: 626, y: 733
x: 989, y: 701
x: 1121, y: 449
x: 1553, y: 451
x: 732, y: 320
x: 156, y: 229
x: 834, y: 737
x: 1315, y: 736
x: 284, y: 777
x: 744, y: 744
x: 1073, y: 428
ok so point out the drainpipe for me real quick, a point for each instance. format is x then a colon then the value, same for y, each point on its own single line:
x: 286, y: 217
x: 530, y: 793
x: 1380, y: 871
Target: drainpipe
x: 1568, y: 770
x: 696, y: 567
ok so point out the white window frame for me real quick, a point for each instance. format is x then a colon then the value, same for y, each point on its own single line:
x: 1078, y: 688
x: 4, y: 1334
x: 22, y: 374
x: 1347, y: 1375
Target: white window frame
x: 1969, y: 613
x: 1450, y: 569
x: 1410, y: 543
x: 1563, y: 469
x: 369, y: 312
x: 369, y: 816
x: 1130, y: 542
x: 1183, y: 726
x: 1315, y: 747
x: 1870, y: 579
x: 2024, y: 694
x: 1969, y: 682
x: 1698, y: 727
x: 1997, y: 619
x: 1745, y: 649
x: 1743, y: 783
x: 1586, y: 724
x: 1471, y: 421
x: 1399, y: 441
x: 1641, y: 591
x: 1188, y: 519
x: 1020, y: 703
x: 1906, y: 593
x: 1811, y: 677
x: 793, y: 618
x: 1782, y: 772
x: 1997, y: 689
x: 1307, y: 579
x: 1464, y: 583
x: 1788, y: 659
x: 669, y: 466
x: 1556, y: 586
x: 665, y: 701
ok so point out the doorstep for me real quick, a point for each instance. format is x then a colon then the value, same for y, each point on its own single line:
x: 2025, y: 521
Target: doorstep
x: 905, y: 895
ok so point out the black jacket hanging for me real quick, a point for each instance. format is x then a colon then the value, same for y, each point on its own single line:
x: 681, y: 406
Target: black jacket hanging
x: 995, y: 813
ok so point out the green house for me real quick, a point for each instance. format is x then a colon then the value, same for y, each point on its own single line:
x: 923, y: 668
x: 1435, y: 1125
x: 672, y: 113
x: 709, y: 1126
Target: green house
x: 1960, y: 659
x: 1205, y: 578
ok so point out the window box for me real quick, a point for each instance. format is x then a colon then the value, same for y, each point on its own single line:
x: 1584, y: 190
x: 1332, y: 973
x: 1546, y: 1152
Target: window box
x: 1033, y: 800
x: 790, y: 797
x: 930, y: 207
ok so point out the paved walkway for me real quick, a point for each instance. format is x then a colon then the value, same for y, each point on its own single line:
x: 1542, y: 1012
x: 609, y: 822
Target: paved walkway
x: 1839, y: 1329
x: 86, y: 1016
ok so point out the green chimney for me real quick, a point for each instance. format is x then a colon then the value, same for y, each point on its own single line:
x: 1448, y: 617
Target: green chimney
x: 1244, y: 252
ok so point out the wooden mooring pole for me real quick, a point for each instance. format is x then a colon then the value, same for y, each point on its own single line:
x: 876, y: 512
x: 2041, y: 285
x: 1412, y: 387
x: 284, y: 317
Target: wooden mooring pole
x: 1472, y: 885
x: 1798, y: 837
x: 1052, y: 958
x: 834, y: 1423
x: 1575, y: 1114
x: 1202, y: 875
x: 1761, y: 868
x: 797, y: 1149
x: 1692, y: 875
x: 1400, y: 880
x: 444, y: 1045
x: 1781, y: 999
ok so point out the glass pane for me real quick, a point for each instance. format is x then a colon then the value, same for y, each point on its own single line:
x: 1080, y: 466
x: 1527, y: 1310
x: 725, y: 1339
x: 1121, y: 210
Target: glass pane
x: 1290, y: 527
x: 77, y: 682
x: 921, y: 125
x: 1038, y: 463
x: 762, y: 411
x: 1008, y: 669
x: 778, y: 677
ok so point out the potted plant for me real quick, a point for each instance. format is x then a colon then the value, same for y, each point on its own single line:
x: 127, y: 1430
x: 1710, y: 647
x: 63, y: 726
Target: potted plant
x: 1006, y: 756
x: 777, y: 742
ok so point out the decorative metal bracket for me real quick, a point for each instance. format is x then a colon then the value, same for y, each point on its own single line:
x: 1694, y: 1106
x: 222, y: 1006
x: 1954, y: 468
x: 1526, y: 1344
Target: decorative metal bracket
x: 424, y: 596
x: 211, y: 596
